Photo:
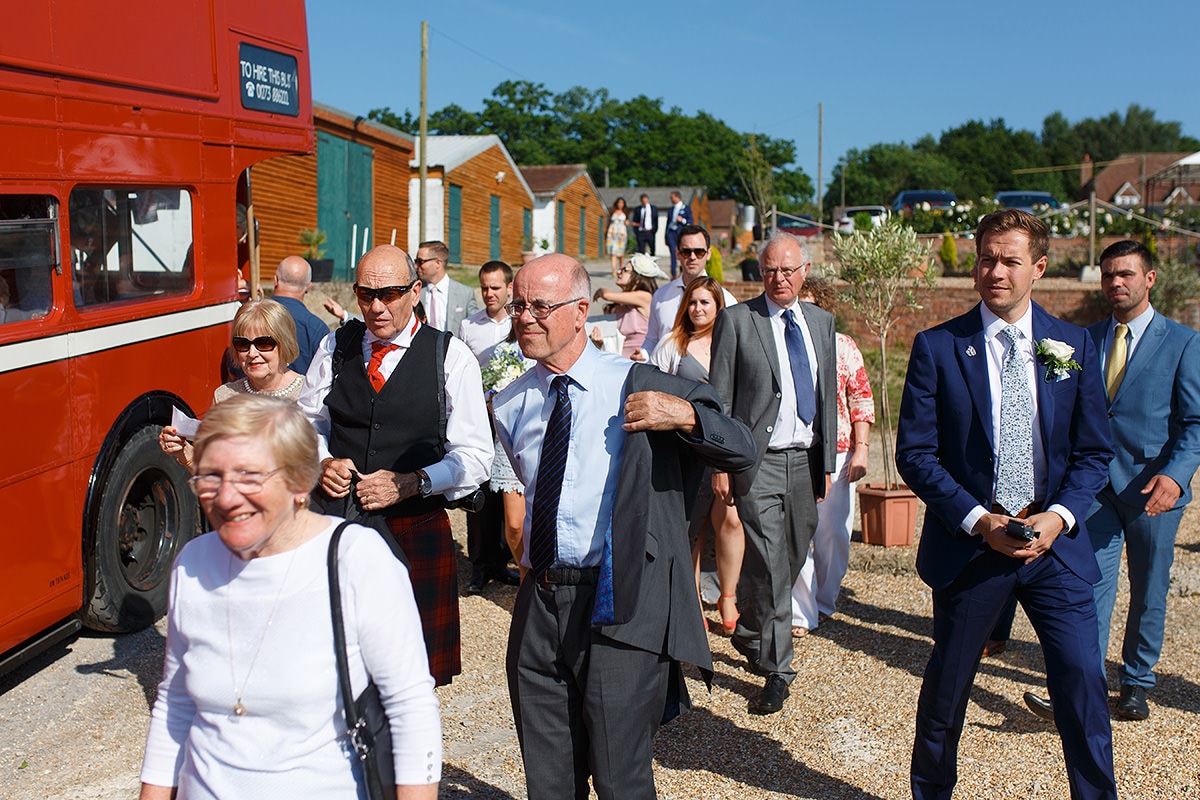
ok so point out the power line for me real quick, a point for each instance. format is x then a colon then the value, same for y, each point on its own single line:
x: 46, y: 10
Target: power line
x: 484, y: 56
x: 1064, y: 167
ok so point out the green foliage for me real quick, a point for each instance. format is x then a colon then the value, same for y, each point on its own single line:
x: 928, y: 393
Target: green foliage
x: 1176, y: 285
x: 638, y: 141
x: 312, y: 239
x: 949, y: 253
x: 715, y: 269
x: 884, y: 268
x: 977, y: 159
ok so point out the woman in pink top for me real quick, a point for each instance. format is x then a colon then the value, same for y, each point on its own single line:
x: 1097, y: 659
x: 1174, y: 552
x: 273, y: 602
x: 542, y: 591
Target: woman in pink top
x: 816, y: 591
x: 636, y: 285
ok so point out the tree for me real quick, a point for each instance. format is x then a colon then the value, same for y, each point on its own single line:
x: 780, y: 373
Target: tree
x: 884, y: 267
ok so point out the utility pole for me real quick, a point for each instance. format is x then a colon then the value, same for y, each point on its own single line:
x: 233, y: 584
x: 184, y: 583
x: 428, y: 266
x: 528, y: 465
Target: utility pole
x: 424, y: 132
x: 820, y: 144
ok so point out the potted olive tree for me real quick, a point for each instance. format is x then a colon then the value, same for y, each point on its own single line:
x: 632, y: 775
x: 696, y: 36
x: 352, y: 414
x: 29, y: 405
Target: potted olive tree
x: 322, y: 268
x: 883, y: 268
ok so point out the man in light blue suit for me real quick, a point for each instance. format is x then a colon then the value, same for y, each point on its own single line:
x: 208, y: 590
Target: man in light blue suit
x: 1153, y: 381
x: 1002, y: 421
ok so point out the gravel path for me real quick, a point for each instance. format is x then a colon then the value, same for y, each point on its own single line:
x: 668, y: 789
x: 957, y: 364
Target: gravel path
x: 73, y: 723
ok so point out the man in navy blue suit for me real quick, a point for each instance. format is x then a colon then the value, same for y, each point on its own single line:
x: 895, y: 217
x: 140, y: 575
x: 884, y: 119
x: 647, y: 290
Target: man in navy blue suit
x: 677, y: 217
x: 1003, y: 420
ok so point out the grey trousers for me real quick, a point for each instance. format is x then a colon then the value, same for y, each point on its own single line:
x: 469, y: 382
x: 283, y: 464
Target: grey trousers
x: 779, y: 513
x: 584, y: 705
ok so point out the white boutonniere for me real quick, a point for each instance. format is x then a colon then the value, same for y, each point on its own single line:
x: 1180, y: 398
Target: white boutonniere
x: 1056, y: 356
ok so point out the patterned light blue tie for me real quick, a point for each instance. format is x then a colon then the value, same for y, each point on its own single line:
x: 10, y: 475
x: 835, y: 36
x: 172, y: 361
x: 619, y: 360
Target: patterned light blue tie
x: 1014, y: 459
x: 604, y: 613
x: 806, y: 398
x: 552, y: 464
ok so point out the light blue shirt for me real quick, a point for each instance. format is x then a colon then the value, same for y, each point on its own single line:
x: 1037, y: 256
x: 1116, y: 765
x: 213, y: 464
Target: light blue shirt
x: 597, y: 440
x: 1137, y: 329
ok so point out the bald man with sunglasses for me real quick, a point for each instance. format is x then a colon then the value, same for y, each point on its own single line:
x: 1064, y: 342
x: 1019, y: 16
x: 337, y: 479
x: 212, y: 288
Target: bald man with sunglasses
x: 396, y: 445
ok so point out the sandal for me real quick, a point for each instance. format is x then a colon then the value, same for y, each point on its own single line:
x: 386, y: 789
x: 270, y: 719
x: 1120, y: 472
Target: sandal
x: 728, y: 625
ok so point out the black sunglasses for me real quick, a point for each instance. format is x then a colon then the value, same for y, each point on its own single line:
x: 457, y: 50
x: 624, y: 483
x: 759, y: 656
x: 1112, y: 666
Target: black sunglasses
x: 263, y: 344
x: 386, y: 294
x: 689, y: 252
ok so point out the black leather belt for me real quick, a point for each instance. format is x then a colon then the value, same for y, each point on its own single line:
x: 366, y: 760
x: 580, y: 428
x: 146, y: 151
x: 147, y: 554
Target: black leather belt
x: 569, y: 576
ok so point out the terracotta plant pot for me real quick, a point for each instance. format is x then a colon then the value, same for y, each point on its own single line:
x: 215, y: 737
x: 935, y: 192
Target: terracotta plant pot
x: 889, y: 516
x: 527, y: 256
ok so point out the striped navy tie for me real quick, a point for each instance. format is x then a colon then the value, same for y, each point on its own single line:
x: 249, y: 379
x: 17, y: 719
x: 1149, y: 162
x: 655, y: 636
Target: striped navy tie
x: 552, y: 464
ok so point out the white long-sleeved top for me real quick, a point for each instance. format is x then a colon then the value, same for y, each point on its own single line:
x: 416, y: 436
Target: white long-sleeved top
x: 469, y: 447
x: 292, y: 742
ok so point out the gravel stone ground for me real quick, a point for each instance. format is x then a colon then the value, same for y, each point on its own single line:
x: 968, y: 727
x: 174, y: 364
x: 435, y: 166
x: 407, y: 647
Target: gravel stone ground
x: 72, y: 723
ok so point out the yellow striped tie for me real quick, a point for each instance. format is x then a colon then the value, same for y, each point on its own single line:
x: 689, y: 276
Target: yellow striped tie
x: 1114, y: 372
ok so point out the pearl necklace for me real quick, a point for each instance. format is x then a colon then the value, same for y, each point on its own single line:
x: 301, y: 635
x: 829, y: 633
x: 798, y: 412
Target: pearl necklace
x: 239, y: 708
x: 275, y: 393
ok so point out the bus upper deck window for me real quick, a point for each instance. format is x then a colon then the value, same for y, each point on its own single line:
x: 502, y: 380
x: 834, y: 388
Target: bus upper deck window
x: 28, y: 254
x: 130, y: 243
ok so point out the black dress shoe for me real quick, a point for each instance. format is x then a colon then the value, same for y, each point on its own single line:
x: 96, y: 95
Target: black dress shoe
x: 509, y: 577
x: 750, y: 654
x: 479, y: 579
x: 1040, y: 707
x: 770, y: 699
x: 1132, y: 702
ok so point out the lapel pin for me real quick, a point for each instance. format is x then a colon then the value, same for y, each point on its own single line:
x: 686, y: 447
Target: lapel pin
x: 971, y: 350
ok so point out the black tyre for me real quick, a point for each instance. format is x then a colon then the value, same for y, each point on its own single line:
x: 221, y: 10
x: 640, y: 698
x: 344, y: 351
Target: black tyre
x: 147, y: 513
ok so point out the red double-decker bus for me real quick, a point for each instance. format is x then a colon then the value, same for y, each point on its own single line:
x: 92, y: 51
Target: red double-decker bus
x: 127, y: 138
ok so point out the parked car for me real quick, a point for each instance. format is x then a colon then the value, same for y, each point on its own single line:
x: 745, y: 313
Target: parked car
x: 1026, y: 201
x: 878, y: 214
x: 798, y: 225
x: 937, y: 200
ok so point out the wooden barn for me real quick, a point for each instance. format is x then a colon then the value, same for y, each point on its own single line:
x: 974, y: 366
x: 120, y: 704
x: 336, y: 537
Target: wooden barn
x: 568, y: 215
x: 476, y: 200
x: 355, y: 190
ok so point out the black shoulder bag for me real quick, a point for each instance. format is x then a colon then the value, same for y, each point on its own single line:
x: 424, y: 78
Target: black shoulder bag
x: 366, y: 721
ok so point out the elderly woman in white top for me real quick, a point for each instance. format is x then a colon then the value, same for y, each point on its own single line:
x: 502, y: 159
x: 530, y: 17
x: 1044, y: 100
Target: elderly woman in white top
x: 249, y: 704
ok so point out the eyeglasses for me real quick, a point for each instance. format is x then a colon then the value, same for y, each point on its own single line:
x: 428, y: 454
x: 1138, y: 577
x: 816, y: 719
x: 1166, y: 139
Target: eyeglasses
x: 420, y: 261
x: 692, y: 252
x: 540, y: 309
x: 205, y: 486
x: 785, y: 272
x: 263, y: 344
x: 385, y: 294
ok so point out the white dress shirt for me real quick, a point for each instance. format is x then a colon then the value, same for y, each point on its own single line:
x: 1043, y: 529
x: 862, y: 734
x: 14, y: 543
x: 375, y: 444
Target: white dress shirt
x: 594, y: 450
x: 469, y: 449
x: 790, y: 431
x: 996, y: 346
x: 439, y: 299
x: 664, y: 305
x: 481, y: 334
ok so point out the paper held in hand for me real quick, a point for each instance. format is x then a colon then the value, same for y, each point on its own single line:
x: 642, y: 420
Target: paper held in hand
x: 187, y: 426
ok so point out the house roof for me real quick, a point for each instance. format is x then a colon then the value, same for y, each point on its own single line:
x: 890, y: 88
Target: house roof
x: 659, y: 195
x: 552, y: 178
x: 1186, y: 170
x: 451, y: 152
x: 1135, y: 169
x: 360, y: 123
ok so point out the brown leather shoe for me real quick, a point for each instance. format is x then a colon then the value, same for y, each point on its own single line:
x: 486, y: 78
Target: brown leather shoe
x: 995, y: 647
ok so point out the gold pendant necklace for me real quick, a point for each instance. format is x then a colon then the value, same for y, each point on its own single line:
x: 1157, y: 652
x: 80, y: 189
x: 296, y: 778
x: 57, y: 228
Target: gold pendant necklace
x: 239, y: 708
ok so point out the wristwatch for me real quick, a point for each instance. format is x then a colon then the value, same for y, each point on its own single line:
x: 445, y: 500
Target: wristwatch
x: 424, y: 486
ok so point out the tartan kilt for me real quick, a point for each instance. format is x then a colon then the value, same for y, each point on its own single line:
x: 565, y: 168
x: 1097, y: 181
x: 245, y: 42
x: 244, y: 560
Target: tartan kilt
x: 433, y: 569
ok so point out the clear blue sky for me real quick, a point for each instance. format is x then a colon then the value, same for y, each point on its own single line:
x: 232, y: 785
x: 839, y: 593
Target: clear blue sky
x: 885, y: 71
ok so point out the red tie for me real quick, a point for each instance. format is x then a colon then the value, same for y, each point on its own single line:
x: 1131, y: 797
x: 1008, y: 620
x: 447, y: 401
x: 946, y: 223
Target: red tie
x: 378, y: 351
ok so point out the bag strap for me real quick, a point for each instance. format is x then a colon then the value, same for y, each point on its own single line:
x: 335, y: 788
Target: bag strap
x: 360, y: 736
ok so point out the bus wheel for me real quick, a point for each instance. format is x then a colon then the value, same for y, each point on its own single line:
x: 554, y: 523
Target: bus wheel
x: 147, y: 513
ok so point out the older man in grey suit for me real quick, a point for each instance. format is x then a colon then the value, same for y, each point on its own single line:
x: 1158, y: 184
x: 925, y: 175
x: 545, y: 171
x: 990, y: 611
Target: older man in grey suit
x: 774, y: 367
x: 447, y: 302
x: 611, y: 453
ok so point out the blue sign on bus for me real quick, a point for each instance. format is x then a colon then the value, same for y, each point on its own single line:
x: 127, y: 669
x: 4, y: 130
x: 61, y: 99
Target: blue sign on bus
x: 269, y: 80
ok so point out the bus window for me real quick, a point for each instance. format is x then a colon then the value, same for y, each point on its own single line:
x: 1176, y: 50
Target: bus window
x: 28, y: 252
x: 130, y: 243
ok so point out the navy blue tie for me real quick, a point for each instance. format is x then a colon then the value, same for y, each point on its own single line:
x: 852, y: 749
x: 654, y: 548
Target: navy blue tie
x: 552, y: 464
x: 806, y: 398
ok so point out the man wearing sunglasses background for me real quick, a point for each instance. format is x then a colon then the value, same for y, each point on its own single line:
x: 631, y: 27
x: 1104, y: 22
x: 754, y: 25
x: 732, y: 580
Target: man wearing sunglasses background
x: 447, y: 302
x: 694, y: 252
x: 376, y: 394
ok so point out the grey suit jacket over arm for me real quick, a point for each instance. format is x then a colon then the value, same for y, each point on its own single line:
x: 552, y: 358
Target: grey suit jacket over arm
x: 745, y: 372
